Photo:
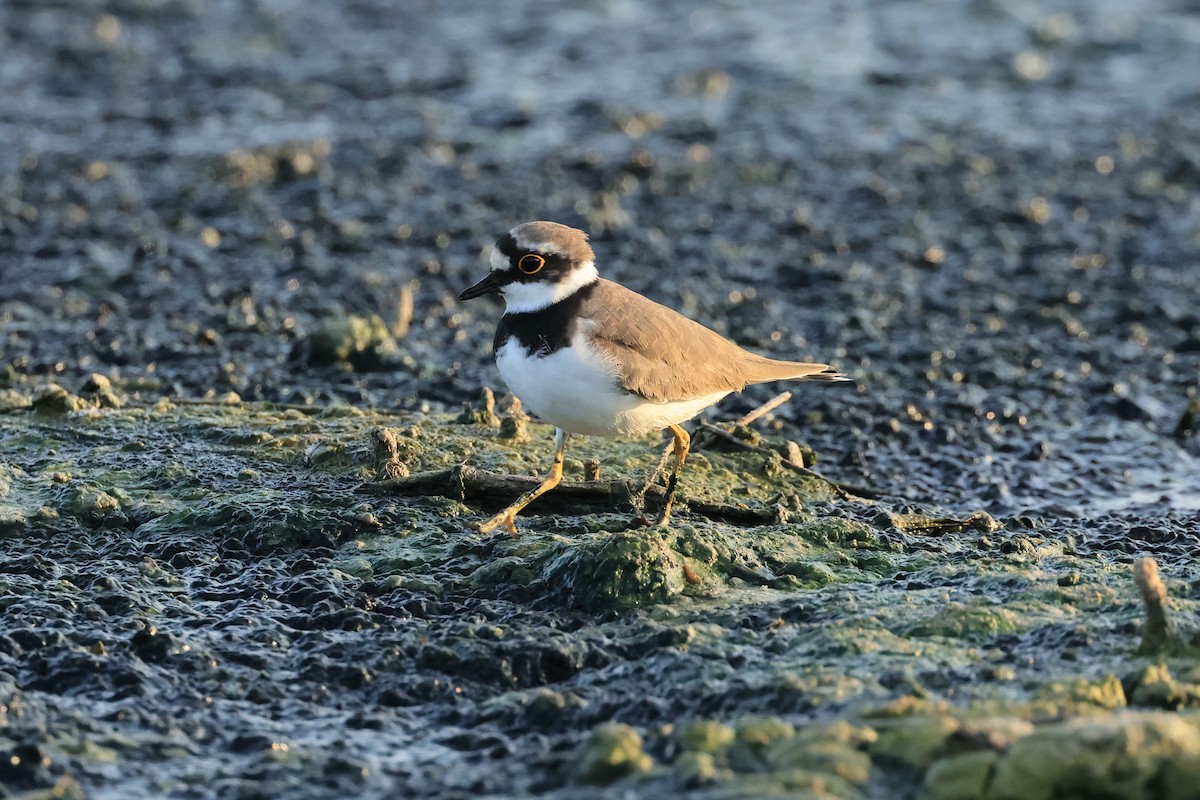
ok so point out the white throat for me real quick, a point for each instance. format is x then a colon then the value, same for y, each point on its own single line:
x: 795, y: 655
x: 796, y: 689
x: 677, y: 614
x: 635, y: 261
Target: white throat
x: 520, y: 298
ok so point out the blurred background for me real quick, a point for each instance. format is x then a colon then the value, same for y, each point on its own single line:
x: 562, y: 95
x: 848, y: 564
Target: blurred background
x: 986, y: 212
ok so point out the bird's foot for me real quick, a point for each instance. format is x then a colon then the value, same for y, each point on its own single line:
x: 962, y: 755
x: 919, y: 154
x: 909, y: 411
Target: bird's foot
x: 505, y: 518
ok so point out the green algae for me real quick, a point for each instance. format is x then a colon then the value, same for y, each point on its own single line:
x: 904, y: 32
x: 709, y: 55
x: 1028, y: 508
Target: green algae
x: 830, y: 758
x: 754, y: 739
x: 958, y: 621
x: 613, y: 752
x: 913, y: 743
x: 54, y: 400
x: 855, y: 628
x: 1120, y: 756
x: 361, y: 342
x: 1081, y: 693
x: 961, y: 776
x: 696, y: 768
x: 705, y: 736
x: 617, y: 571
x: 769, y: 756
x: 1154, y: 687
x: 1127, y: 754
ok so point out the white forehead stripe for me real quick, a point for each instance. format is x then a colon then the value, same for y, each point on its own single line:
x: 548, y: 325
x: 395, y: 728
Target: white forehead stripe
x: 541, y: 247
x: 548, y: 248
x: 497, y: 260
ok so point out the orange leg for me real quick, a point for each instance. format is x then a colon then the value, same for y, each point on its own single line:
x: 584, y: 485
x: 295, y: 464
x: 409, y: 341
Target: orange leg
x: 553, y: 478
x: 682, y: 443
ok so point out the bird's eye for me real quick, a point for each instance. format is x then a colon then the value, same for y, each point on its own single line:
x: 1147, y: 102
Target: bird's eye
x: 531, y: 263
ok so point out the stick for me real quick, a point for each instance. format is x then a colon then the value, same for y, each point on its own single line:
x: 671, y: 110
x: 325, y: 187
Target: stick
x: 493, y: 490
x: 1157, y: 631
x: 639, y: 499
x: 404, y: 311
x: 766, y: 408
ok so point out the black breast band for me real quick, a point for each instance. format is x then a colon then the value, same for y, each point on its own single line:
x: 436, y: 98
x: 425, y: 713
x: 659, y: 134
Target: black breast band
x: 546, y: 331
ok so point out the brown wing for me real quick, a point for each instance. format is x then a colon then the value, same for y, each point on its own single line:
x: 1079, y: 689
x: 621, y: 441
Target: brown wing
x: 664, y: 356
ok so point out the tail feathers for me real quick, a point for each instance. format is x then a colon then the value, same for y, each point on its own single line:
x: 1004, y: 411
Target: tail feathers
x: 770, y: 370
x: 827, y: 375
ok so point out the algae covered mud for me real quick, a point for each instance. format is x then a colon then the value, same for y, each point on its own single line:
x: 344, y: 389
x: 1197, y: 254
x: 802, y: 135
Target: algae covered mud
x: 227, y: 600
x: 236, y: 480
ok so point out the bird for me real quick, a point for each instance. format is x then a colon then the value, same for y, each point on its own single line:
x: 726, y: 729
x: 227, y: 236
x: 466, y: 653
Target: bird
x: 592, y: 357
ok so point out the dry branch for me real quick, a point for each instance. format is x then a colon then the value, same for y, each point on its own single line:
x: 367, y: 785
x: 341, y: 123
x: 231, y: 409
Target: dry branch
x: 490, y: 490
x: 1157, y: 630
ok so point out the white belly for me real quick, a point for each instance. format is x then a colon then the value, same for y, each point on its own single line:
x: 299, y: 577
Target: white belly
x: 576, y: 389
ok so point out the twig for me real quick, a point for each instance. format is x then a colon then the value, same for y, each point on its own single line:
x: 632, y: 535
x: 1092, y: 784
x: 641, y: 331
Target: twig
x: 216, y: 402
x: 1154, y: 594
x: 766, y: 408
x: 493, y: 490
x: 638, y: 499
x: 404, y: 311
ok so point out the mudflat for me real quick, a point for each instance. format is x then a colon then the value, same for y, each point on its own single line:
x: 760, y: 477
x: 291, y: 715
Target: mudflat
x: 237, y: 476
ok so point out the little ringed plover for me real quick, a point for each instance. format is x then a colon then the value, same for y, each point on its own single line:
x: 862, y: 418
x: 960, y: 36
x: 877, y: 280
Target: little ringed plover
x: 592, y: 357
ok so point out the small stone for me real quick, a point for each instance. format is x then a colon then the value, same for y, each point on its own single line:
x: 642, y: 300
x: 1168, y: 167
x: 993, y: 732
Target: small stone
x: 1155, y: 686
x: 915, y: 742
x: 705, y: 736
x: 1018, y: 545
x: 591, y: 469
x: 54, y: 399
x: 365, y: 343
x: 1116, y: 755
x: 799, y: 455
x: 514, y: 427
x: 12, y: 400
x: 97, y: 383
x: 1106, y: 693
x: 694, y: 769
x: 755, y: 736
x: 482, y: 413
x: 1000, y: 673
x: 385, y: 448
x: 830, y: 758
x: 614, y: 751
x: 961, y: 777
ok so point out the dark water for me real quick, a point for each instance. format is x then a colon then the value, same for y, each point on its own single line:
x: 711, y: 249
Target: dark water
x: 987, y: 213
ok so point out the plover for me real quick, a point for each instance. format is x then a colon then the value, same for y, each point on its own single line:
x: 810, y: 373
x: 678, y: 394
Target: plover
x: 591, y: 357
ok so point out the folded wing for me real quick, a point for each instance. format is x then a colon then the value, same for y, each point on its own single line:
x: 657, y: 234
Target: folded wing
x: 665, y: 357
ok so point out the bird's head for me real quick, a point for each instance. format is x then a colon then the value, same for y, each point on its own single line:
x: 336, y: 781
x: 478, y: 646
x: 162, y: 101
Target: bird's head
x: 535, y: 265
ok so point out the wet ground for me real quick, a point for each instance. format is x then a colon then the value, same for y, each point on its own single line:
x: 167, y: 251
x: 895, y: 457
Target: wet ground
x: 986, y: 213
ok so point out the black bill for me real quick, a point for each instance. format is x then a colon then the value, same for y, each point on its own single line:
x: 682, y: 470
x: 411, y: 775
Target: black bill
x: 488, y: 285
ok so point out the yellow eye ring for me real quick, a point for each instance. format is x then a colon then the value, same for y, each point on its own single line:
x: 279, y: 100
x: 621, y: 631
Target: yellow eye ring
x: 531, y: 263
